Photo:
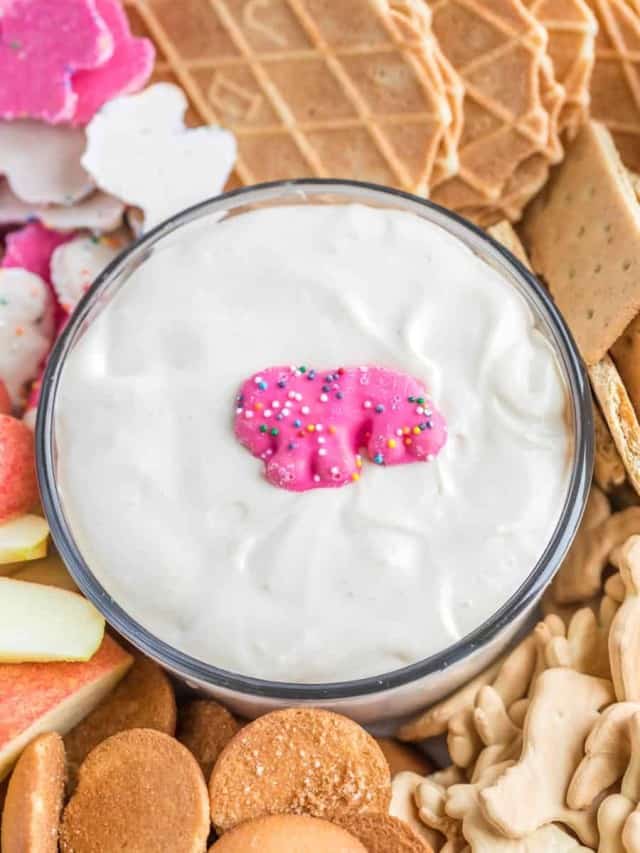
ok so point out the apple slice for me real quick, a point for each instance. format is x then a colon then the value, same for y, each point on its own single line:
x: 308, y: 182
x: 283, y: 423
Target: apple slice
x: 23, y: 538
x: 53, y: 697
x: 41, y: 623
x: 50, y: 571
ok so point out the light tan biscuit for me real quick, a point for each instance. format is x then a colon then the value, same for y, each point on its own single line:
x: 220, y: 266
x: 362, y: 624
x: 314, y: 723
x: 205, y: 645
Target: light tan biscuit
x: 288, y: 834
x: 138, y: 790
x: 608, y: 470
x: 619, y: 415
x: 31, y: 815
x: 381, y: 833
x: 583, y: 237
x: 401, y: 757
x: 144, y: 699
x: 205, y: 728
x: 299, y: 761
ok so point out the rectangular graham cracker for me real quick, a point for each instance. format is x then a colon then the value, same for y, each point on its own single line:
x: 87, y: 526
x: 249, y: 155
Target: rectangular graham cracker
x: 583, y: 237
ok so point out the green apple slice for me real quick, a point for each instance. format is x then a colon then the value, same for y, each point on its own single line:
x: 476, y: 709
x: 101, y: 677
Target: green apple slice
x: 44, y: 623
x: 23, y: 538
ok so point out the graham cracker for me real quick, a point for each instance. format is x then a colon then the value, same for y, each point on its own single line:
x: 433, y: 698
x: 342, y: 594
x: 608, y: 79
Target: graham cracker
x: 497, y: 47
x: 626, y: 350
x: 608, y: 470
x: 583, y: 237
x: 619, y: 415
x: 309, y: 88
x: 615, y: 82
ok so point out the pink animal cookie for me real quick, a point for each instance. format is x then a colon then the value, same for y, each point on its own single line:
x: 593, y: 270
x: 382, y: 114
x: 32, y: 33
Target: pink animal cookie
x: 42, y: 44
x: 126, y: 71
x: 310, y: 426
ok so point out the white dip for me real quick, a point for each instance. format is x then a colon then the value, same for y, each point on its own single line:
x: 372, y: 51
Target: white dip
x: 175, y: 517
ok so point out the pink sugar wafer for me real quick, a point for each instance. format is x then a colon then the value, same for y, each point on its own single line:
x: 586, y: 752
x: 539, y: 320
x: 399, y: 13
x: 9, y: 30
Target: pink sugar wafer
x: 309, y: 426
x: 126, y: 71
x: 42, y: 44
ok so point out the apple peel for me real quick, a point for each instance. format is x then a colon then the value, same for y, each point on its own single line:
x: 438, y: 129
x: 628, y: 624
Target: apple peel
x: 140, y: 150
x: 44, y: 697
x: 42, y: 45
x: 125, y: 71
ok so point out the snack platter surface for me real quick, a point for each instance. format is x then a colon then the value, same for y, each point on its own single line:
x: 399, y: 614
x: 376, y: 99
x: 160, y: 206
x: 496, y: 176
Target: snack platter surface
x: 522, y: 116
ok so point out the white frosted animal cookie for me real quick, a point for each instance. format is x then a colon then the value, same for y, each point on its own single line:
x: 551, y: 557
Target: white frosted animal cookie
x: 41, y: 162
x: 98, y: 211
x: 140, y: 150
x: 26, y: 329
x: 75, y: 265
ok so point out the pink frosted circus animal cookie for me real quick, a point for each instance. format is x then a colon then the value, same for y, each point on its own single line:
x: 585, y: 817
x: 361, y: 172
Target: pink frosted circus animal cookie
x: 311, y: 426
x: 42, y: 44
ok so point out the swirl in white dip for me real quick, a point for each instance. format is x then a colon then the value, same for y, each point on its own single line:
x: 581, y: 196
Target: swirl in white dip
x: 175, y: 517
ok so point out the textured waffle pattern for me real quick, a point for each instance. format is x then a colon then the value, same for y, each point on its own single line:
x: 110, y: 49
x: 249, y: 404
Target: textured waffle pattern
x: 497, y: 48
x: 572, y: 28
x: 615, y: 85
x: 311, y: 87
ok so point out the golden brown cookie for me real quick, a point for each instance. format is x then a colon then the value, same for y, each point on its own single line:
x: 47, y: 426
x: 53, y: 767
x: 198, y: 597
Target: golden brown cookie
x: 139, y: 790
x: 144, y: 699
x: 299, y: 761
x: 288, y: 834
x: 402, y: 757
x: 381, y: 833
x: 205, y: 728
x: 31, y: 814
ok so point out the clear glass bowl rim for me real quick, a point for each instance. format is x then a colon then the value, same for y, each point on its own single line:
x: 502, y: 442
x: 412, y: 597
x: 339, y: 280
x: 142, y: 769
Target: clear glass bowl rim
x: 191, y: 668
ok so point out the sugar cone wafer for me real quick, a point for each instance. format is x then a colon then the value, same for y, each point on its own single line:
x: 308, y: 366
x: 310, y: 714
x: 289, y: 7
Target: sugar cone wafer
x: 497, y: 48
x: 349, y: 89
x: 615, y: 83
x: 572, y: 29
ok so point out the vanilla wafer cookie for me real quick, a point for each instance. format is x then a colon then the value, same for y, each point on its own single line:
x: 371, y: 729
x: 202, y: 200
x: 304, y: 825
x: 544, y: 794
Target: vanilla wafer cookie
x: 308, y: 88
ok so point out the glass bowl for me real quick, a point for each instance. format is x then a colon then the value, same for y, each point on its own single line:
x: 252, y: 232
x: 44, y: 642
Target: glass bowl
x: 389, y: 694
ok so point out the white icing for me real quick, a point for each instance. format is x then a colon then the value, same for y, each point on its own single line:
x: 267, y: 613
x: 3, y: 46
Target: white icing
x: 26, y: 329
x: 140, y: 150
x: 75, y: 265
x: 98, y: 211
x: 174, y: 516
x: 42, y: 161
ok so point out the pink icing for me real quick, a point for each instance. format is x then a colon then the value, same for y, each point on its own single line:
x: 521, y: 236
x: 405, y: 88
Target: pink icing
x: 42, y: 44
x: 126, y: 71
x: 310, y: 427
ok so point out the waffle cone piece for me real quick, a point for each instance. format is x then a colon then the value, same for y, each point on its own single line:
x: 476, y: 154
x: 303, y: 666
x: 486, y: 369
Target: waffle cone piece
x: 572, y: 28
x: 531, y: 174
x: 498, y: 49
x: 311, y: 88
x: 615, y: 83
